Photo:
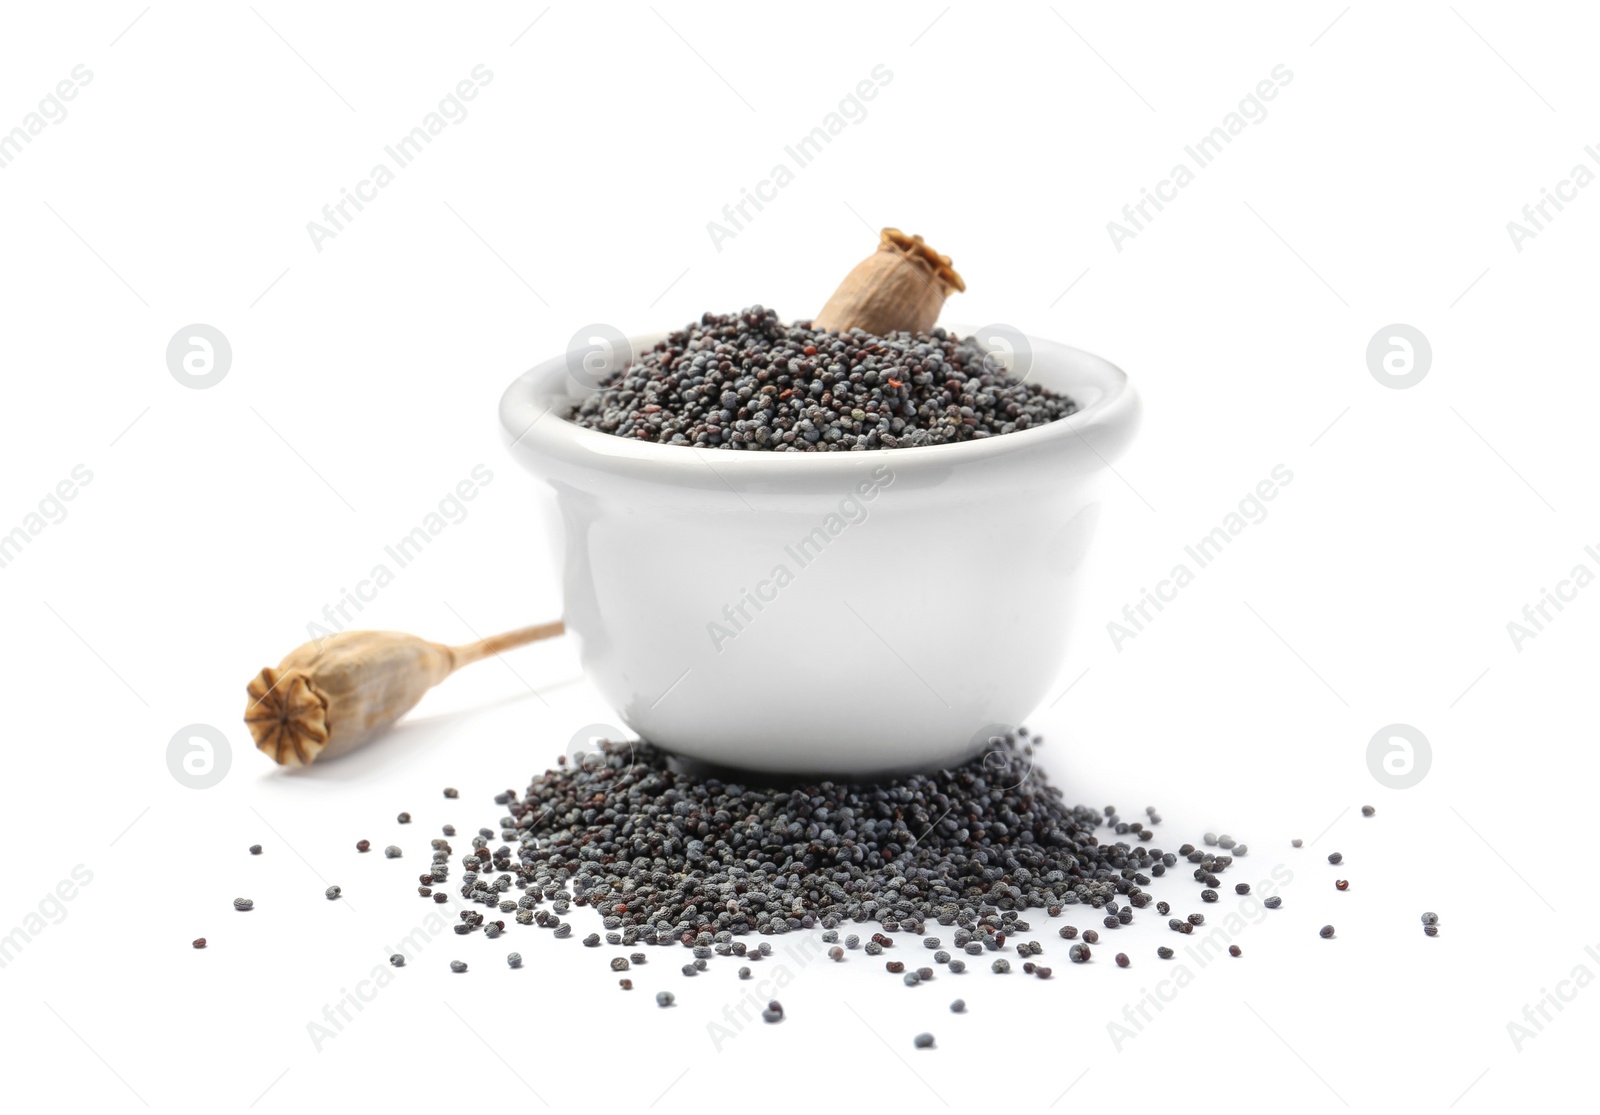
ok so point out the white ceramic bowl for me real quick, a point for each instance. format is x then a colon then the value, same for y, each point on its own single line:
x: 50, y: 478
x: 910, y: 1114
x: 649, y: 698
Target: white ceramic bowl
x: 825, y: 614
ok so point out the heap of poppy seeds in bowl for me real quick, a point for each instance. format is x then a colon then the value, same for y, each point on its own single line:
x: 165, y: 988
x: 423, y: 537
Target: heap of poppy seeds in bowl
x: 747, y: 381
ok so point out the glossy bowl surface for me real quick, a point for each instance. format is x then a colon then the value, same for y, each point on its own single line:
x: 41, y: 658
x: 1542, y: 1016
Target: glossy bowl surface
x: 825, y: 614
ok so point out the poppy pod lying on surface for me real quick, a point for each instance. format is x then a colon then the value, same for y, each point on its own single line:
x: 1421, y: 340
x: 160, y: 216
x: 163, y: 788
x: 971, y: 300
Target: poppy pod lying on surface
x: 336, y: 693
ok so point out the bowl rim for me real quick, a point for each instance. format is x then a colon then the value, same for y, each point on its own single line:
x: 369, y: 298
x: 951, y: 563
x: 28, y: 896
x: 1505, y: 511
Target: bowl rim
x: 541, y: 393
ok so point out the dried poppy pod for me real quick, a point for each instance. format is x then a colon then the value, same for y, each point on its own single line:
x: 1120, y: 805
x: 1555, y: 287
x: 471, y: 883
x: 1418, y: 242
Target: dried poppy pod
x: 902, y: 285
x: 334, y: 694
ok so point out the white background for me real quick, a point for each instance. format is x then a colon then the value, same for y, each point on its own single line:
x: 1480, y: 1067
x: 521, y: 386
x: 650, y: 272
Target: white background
x: 363, y: 385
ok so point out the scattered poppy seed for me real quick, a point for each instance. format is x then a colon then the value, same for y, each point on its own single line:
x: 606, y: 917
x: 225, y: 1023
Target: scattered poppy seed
x: 1430, y: 918
x: 514, y: 959
x: 1241, y: 888
x: 1090, y: 937
x: 1272, y: 903
x: 1297, y: 842
x: 1164, y: 952
x: 1122, y: 960
x: 243, y: 904
x: 923, y: 1041
x: 1335, y: 857
x: 331, y: 893
x: 1431, y: 930
x: 665, y: 998
x: 958, y: 1006
x: 957, y: 966
x: 451, y: 792
x: 392, y: 851
x: 199, y: 942
x: 363, y: 845
x: 1367, y: 810
x: 255, y: 849
x: 458, y: 966
x: 1235, y: 950
x: 404, y: 818
x: 1342, y: 884
x: 1325, y: 931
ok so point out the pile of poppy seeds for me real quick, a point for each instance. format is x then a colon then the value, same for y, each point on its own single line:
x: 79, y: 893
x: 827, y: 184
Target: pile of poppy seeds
x: 669, y: 855
x: 748, y: 381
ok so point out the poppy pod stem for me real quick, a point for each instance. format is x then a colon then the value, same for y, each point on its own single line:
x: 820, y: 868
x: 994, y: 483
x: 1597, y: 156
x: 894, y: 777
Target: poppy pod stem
x: 333, y: 694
